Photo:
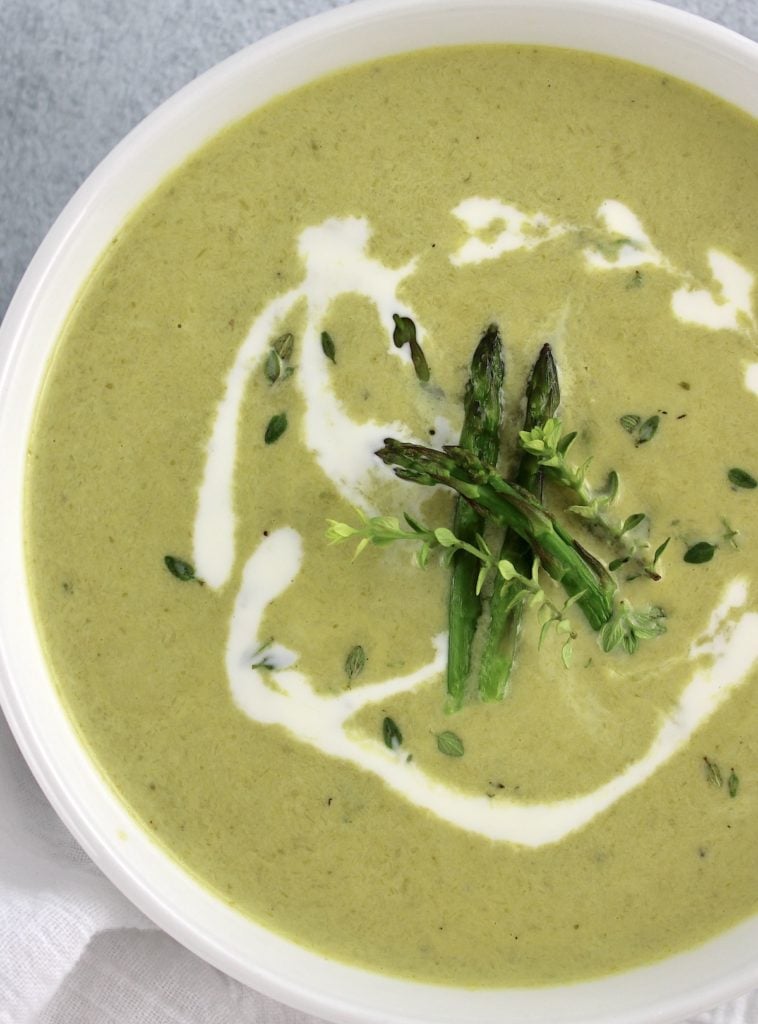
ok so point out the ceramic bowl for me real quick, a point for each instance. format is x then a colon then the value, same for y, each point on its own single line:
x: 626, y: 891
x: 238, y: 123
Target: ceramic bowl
x: 648, y: 33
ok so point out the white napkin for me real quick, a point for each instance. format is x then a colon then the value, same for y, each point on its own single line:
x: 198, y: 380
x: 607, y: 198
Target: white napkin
x: 74, y: 951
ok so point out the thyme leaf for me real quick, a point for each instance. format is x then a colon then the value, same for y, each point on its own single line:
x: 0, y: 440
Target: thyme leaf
x: 648, y: 430
x: 276, y: 427
x: 393, y: 738
x: 449, y: 744
x: 284, y: 346
x: 713, y: 773
x: 355, y: 662
x: 630, y: 422
x: 659, y: 551
x: 699, y: 553
x: 741, y: 478
x: 179, y: 568
x: 404, y: 333
x: 632, y: 521
x: 272, y: 367
x: 327, y: 346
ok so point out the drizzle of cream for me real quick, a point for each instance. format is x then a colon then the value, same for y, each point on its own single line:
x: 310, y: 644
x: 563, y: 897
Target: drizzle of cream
x: 264, y: 679
x: 637, y: 249
x: 336, y: 262
x: 728, y: 306
x: 520, y: 230
x: 730, y: 644
x: 751, y: 378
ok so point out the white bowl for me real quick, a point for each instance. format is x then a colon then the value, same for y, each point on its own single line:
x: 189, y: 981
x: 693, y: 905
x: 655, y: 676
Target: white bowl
x: 658, y: 36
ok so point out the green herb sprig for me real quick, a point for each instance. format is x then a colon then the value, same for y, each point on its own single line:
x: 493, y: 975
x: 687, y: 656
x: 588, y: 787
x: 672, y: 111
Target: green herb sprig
x: 405, y: 334
x: 549, y: 446
x: 625, y: 628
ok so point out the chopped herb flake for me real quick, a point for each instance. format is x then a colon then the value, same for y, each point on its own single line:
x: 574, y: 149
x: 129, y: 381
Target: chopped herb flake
x: 450, y: 744
x: 355, y: 662
x: 699, y: 553
x: 648, y: 430
x: 741, y: 478
x: 327, y: 346
x: 659, y: 551
x: 617, y: 563
x: 630, y: 422
x: 733, y: 783
x: 284, y: 346
x: 405, y: 334
x: 179, y: 568
x: 393, y: 738
x: 276, y: 427
x: 272, y: 367
x: 713, y: 773
x: 631, y: 522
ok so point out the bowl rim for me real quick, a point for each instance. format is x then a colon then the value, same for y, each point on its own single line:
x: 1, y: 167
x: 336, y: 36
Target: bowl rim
x: 48, y: 739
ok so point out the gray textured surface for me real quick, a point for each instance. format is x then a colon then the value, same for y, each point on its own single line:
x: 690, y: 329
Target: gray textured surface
x: 78, y: 74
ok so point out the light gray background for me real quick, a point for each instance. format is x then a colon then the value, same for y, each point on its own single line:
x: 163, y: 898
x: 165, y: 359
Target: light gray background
x: 76, y: 75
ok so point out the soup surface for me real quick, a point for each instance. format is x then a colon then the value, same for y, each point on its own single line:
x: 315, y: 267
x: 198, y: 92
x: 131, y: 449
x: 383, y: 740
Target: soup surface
x: 601, y: 815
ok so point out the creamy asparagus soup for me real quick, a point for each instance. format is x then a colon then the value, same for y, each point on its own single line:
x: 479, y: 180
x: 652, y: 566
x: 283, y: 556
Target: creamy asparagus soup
x: 512, y: 740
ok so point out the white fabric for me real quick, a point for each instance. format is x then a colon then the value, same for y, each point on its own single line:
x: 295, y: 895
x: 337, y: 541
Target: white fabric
x: 74, y: 951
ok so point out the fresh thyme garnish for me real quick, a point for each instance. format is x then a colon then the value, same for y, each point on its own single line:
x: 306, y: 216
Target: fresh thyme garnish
x: 450, y: 744
x: 260, y: 659
x: 648, y: 430
x: 730, y: 534
x: 713, y: 773
x: 405, y: 334
x: 507, y: 506
x: 641, y: 430
x: 627, y: 627
x: 525, y: 590
x: 275, y: 366
x: 327, y: 346
x: 355, y: 662
x: 181, y: 569
x: 272, y: 367
x: 659, y: 551
x: 533, y: 541
x: 741, y: 478
x: 733, y: 783
x: 276, y: 427
x: 393, y: 738
x: 549, y: 446
x: 284, y: 346
x: 699, y: 553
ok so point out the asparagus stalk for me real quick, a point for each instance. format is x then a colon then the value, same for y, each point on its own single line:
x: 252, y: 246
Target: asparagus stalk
x: 582, y: 576
x: 482, y: 404
x: 542, y: 399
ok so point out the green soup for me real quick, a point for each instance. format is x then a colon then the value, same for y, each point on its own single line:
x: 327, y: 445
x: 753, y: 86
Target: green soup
x: 281, y: 729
